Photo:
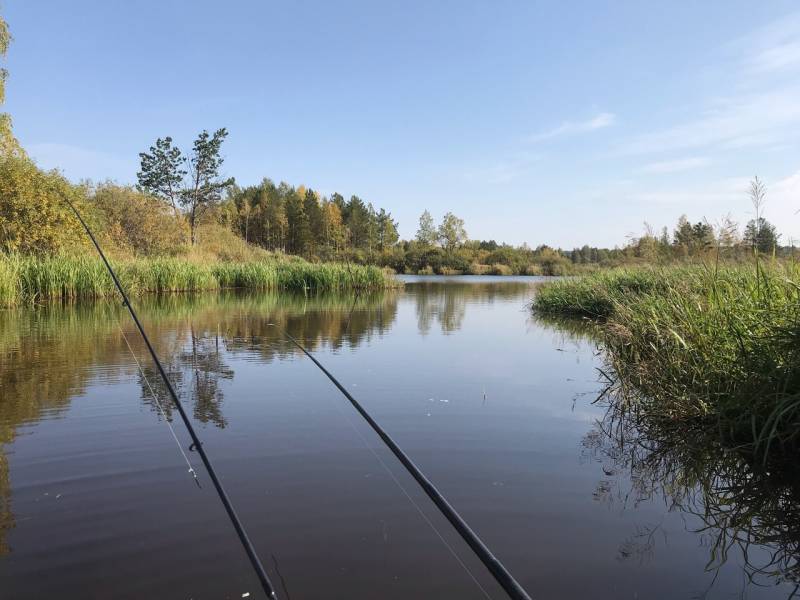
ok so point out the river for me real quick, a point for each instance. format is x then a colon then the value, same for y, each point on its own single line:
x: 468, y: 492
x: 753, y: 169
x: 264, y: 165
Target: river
x: 494, y: 406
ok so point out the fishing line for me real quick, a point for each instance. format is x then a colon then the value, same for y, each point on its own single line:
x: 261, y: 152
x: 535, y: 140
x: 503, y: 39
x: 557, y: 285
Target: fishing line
x: 495, y: 567
x: 413, y: 502
x: 255, y: 562
x: 160, y: 408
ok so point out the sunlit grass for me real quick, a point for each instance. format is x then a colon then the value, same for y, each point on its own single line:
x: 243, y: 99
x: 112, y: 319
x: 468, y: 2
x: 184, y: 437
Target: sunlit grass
x: 720, y: 345
x: 26, y: 279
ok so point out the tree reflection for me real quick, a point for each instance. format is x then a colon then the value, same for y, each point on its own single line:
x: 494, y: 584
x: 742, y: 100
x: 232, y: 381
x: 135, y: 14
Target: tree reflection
x: 45, y: 359
x: 445, y: 302
x: 53, y: 353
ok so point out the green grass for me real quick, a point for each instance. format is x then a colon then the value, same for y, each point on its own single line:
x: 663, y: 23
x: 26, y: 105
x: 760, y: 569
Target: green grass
x: 26, y: 279
x: 720, y: 346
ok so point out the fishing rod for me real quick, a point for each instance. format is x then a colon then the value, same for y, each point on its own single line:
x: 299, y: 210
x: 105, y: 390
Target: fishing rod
x: 511, y: 586
x: 266, y: 584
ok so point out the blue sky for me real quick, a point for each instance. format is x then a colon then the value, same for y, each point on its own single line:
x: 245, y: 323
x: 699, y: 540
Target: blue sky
x: 558, y: 122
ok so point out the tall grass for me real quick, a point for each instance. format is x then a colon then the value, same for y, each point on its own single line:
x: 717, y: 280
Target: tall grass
x: 26, y: 279
x: 717, y: 345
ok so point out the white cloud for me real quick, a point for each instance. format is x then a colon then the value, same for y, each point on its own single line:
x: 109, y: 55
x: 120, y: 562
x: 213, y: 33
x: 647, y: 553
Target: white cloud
x: 82, y: 163
x: 566, y: 128
x: 674, y: 166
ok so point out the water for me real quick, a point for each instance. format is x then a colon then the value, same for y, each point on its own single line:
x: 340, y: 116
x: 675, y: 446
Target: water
x: 495, y: 407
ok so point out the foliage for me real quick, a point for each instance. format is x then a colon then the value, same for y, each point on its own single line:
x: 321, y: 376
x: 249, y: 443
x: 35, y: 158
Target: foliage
x: 761, y: 235
x: 164, y: 173
x: 136, y: 223
x: 9, y: 146
x: 300, y: 221
x: 427, y: 235
x: 452, y: 232
x: 33, y: 215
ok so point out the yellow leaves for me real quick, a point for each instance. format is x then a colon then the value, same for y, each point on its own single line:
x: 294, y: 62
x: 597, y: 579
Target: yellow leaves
x: 33, y: 215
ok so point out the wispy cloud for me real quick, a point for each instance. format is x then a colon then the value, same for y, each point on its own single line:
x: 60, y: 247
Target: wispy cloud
x: 761, y: 109
x: 674, y: 166
x: 774, y: 47
x: 567, y: 128
x: 749, y: 120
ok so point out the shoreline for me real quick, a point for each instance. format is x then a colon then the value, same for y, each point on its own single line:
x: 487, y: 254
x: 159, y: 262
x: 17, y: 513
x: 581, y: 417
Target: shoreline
x: 26, y: 280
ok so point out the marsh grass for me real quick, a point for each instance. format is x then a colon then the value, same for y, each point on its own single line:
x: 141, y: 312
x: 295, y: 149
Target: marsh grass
x: 27, y: 279
x: 716, y: 345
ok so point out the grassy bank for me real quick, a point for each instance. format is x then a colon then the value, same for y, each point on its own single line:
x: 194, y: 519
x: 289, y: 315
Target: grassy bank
x: 26, y: 279
x: 718, y: 347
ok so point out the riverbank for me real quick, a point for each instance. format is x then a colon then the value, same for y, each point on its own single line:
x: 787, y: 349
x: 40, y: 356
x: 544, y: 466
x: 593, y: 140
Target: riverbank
x: 698, y: 345
x: 28, y: 279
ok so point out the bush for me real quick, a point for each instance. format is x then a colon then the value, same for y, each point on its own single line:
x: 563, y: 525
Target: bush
x: 478, y: 269
x: 137, y: 223
x: 34, y: 217
x: 499, y: 269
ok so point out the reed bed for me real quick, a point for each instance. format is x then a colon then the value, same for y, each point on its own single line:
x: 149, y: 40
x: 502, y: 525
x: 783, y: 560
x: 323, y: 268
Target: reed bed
x: 27, y: 279
x: 720, y: 346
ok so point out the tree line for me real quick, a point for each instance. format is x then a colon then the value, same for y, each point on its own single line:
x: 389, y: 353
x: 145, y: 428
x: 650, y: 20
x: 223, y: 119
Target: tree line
x: 299, y: 220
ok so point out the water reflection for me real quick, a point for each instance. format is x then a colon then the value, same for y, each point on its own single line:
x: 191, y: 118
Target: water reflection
x: 748, y: 512
x: 50, y: 354
x: 743, y: 511
x: 444, y: 300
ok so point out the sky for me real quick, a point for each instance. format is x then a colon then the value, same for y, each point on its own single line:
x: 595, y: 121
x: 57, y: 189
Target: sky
x: 562, y: 123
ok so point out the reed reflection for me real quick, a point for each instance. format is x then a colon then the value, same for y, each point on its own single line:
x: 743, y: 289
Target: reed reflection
x: 52, y: 353
x: 748, y: 510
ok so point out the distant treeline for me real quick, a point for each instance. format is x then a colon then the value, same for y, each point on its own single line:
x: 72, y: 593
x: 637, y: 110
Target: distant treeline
x: 303, y: 222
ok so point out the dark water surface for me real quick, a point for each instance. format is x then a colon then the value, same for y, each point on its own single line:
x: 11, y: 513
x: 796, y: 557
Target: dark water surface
x: 496, y: 408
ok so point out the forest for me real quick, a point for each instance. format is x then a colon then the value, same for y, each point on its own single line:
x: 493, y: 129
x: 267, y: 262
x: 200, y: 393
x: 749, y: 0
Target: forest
x: 183, y: 208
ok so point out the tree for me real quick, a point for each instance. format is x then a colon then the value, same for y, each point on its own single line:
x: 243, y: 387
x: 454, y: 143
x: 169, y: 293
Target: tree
x: 357, y: 217
x: 427, y: 234
x: 333, y: 230
x: 9, y: 146
x: 313, y: 214
x: 205, y: 186
x: 761, y: 235
x: 387, y: 230
x: 299, y: 233
x: 33, y: 215
x: 702, y: 236
x: 728, y: 233
x: 452, y: 232
x: 683, y: 235
x: 164, y: 174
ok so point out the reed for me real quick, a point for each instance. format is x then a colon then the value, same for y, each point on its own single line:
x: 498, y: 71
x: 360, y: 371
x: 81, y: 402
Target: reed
x: 26, y: 279
x: 716, y: 345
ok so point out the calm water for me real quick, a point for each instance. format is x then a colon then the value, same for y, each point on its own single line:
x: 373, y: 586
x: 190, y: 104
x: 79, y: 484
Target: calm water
x: 496, y: 408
